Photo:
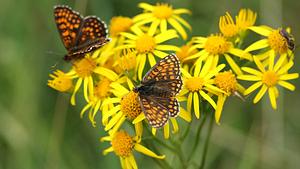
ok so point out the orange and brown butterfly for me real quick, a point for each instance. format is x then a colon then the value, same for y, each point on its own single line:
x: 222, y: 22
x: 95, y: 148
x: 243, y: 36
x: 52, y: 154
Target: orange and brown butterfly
x: 79, y: 35
x: 158, y: 89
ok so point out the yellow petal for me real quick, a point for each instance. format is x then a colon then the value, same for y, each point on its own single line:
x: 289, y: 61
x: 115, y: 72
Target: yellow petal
x: 146, y: 6
x: 139, y: 118
x: 253, y: 87
x: 108, y: 150
x: 280, y: 61
x: 289, y: 76
x: 196, y: 105
x: 259, y: 64
x: 185, y: 115
x: 151, y: 59
x: 153, y: 27
x: 132, y: 161
x: 272, y: 97
x: 182, y: 21
x: 159, y: 54
x: 209, y: 99
x: 111, y: 75
x: 252, y: 71
x: 233, y: 65
x: 257, y: 45
x: 167, y: 48
x: 141, y: 66
x: 167, y: 131
x: 261, y: 30
x: 287, y: 85
x: 164, y: 36
x: 182, y: 11
x: 146, y: 151
x: 285, y: 68
x: 178, y: 27
x: 77, y: 86
x: 260, y: 94
x: 175, y: 125
x: 85, y: 88
x: 249, y: 77
x: 113, y: 120
x: 163, y: 25
x: 220, y: 104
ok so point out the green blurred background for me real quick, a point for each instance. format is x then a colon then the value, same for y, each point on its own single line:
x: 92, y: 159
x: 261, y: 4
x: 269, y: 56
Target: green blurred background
x: 40, y: 130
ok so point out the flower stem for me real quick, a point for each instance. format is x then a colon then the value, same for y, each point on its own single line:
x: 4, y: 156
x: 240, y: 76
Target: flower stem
x: 206, y: 144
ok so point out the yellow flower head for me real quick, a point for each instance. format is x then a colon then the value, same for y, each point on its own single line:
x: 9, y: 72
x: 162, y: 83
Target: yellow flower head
x: 226, y: 81
x: 123, y: 145
x: 119, y: 24
x: 147, y: 45
x: 160, y: 15
x: 61, y: 81
x: 184, y: 52
x: 199, y: 83
x: 269, y: 79
x: 227, y: 26
x: 245, y: 19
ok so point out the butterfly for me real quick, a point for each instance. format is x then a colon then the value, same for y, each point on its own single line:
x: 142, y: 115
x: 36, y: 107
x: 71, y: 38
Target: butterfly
x: 79, y: 35
x: 158, y: 89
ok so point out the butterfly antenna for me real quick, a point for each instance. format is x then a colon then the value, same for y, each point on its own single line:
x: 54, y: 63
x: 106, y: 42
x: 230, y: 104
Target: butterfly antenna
x: 239, y: 95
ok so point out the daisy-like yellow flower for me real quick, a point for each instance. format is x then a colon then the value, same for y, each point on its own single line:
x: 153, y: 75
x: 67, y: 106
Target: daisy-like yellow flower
x: 83, y: 70
x: 199, y: 83
x: 61, y: 81
x: 126, y: 63
x: 148, y: 45
x: 160, y: 15
x: 216, y: 46
x: 185, y: 52
x: 227, y: 82
x: 268, y: 79
x: 123, y: 145
x: 274, y: 42
x: 101, y: 93
x: 244, y: 20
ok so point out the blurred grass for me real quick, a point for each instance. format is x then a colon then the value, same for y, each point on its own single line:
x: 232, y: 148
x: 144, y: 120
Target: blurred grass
x: 39, y: 129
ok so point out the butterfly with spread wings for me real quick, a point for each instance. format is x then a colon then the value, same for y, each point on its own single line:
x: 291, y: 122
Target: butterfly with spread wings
x: 79, y: 35
x: 158, y: 89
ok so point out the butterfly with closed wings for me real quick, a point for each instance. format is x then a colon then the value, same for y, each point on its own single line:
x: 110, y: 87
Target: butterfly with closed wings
x: 79, y: 35
x: 158, y: 89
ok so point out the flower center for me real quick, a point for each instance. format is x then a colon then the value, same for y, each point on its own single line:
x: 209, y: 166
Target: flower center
x: 102, y: 88
x: 277, y: 42
x: 226, y: 81
x: 60, y: 81
x: 194, y: 84
x: 122, y: 144
x: 84, y: 67
x: 216, y: 44
x: 270, y: 78
x: 119, y: 24
x: 163, y: 11
x: 184, y: 52
x: 145, y: 44
x: 130, y: 105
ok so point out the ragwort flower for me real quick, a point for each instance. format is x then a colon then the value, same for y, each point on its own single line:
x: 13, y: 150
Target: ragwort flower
x: 123, y: 145
x: 269, y: 79
x: 61, y: 81
x: 160, y: 15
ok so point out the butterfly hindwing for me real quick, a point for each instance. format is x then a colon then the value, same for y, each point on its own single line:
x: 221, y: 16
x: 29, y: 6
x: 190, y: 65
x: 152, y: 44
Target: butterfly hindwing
x: 170, y: 103
x: 156, y: 114
x: 68, y: 23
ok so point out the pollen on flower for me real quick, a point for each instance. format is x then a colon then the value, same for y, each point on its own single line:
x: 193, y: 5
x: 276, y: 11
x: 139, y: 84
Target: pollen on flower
x: 226, y: 81
x: 184, y: 52
x: 145, y: 43
x: 216, y: 44
x: 277, y: 42
x: 119, y: 24
x: 270, y: 78
x: 130, y: 105
x: 84, y: 67
x: 194, y: 84
x: 163, y: 11
x: 227, y: 26
x: 122, y: 144
x: 60, y: 81
x: 102, y: 88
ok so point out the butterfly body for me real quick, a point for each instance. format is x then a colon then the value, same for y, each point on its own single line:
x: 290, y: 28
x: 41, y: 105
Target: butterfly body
x: 79, y: 35
x: 289, y: 39
x: 158, y: 90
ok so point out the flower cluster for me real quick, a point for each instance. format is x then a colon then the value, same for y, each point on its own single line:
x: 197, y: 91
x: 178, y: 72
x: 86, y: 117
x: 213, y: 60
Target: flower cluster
x: 211, y: 69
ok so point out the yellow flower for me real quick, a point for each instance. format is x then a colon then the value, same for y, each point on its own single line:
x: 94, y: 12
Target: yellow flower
x: 276, y: 74
x: 119, y: 24
x: 148, y: 45
x: 102, y: 91
x: 226, y: 81
x: 61, y: 81
x: 274, y: 41
x: 185, y: 52
x: 244, y: 20
x: 126, y: 62
x: 123, y: 145
x: 216, y: 46
x: 199, y: 83
x: 160, y: 15
x: 83, y: 70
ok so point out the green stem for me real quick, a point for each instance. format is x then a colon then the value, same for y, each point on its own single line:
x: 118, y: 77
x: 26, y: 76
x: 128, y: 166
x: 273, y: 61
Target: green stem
x: 197, y: 141
x: 206, y: 144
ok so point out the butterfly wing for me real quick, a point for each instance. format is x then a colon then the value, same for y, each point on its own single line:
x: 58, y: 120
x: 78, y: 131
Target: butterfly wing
x: 157, y: 114
x: 68, y: 23
x: 165, y: 76
x: 92, y: 35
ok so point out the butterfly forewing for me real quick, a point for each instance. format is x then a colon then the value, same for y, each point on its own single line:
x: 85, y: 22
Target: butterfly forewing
x: 68, y: 23
x: 156, y: 114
